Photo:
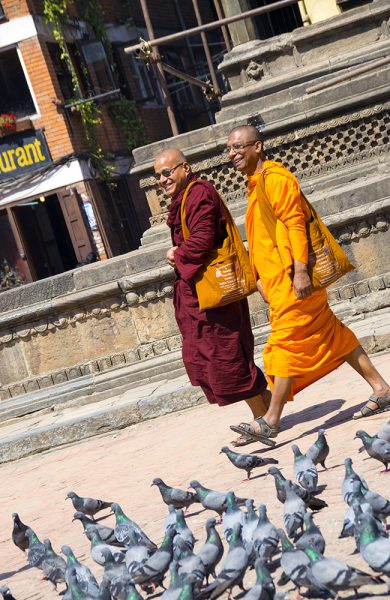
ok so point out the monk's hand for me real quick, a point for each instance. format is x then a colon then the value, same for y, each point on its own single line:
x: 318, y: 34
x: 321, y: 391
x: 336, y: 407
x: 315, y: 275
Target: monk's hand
x: 171, y: 256
x: 301, y: 282
x: 261, y: 291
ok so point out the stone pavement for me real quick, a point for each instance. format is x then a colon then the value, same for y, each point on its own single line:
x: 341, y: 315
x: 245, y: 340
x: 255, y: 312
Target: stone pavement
x: 179, y: 447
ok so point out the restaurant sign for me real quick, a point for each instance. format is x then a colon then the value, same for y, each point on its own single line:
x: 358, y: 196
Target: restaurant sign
x: 23, y: 152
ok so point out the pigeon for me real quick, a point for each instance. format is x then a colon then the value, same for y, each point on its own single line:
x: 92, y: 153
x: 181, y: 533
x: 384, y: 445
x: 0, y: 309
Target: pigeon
x: 247, y: 462
x: 76, y: 592
x: 349, y: 478
x: 125, y: 528
x: 305, y: 470
x: 87, y: 506
x: 294, y: 563
x: 264, y: 588
x: 170, y: 519
x: 36, y: 550
x: 97, y: 547
x: 183, y: 531
x: 232, y: 515
x: 374, y: 548
x: 153, y: 570
x: 189, y: 563
x: 319, y: 451
x: 53, y: 566
x: 188, y: 590
x: 233, y: 568
x: 106, y: 533
x: 249, y: 526
x: 379, y: 504
x: 377, y: 448
x: 311, y: 536
x: 211, y: 499
x: 265, y: 536
x: 19, y: 537
x: 175, y: 584
x: 311, y: 501
x: 175, y: 496
x: 136, y: 555
x: 6, y: 593
x: 212, y: 550
x: 384, y: 432
x: 75, y: 570
x: 131, y: 593
x: 115, y: 573
x: 332, y: 575
x: 294, y: 510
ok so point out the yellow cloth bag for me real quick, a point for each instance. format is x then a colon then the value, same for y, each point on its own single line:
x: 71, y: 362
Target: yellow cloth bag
x: 227, y: 274
x: 327, y: 261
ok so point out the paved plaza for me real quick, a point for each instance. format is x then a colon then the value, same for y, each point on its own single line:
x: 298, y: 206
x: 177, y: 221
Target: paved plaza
x: 179, y: 447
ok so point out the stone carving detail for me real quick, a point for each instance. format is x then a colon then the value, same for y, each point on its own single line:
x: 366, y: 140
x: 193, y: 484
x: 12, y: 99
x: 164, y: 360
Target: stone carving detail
x: 308, y: 151
x: 361, y: 229
x: 254, y: 71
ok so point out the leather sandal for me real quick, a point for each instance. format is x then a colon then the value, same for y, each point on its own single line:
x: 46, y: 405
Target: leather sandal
x: 382, y: 402
x: 264, y: 435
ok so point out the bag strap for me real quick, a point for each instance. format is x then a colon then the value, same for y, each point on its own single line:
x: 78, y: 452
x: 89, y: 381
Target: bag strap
x: 267, y: 212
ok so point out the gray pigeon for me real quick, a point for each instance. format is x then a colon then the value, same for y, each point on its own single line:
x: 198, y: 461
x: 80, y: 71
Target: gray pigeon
x: 76, y: 590
x: 53, y: 566
x: 6, y: 593
x: 175, y: 496
x: 348, y: 481
x: 211, y: 499
x: 319, y: 451
x: 247, y: 462
x: 97, y: 547
x: 375, y: 447
x: 106, y: 533
x: 87, y: 506
x: 264, y: 588
x: 19, y: 537
x: 170, y: 519
x: 265, y: 537
x: 294, y: 563
x: 189, y: 563
x: 305, y: 470
x: 233, y: 568
x: 153, y: 570
x: 332, y: 575
x: 175, y: 584
x: 183, y: 531
x: 232, y: 515
x: 136, y: 554
x: 36, y: 550
x: 294, y: 510
x: 311, y: 536
x: 384, y: 432
x: 379, y: 504
x: 212, y: 550
x: 75, y: 570
x: 125, y: 529
x: 249, y: 526
x: 374, y: 548
x: 116, y: 574
x: 280, y: 481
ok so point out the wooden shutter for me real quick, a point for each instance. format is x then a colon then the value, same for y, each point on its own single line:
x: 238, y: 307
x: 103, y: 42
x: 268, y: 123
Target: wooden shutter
x: 76, y: 223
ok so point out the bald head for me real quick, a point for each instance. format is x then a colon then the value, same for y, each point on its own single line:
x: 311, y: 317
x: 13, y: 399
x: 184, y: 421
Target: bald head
x: 249, y: 131
x: 172, y: 171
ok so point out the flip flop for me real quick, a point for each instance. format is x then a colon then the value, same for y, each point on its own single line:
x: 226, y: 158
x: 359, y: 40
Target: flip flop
x: 266, y: 432
x: 243, y: 440
x: 382, y: 402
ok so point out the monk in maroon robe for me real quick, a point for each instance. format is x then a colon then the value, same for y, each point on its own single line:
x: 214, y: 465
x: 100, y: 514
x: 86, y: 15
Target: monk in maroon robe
x: 218, y: 343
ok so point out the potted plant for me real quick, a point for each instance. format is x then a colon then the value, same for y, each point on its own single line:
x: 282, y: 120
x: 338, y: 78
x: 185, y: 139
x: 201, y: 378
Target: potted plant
x: 7, y: 123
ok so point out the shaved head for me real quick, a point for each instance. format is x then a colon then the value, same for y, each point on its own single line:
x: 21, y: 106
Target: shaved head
x: 250, y: 131
x: 172, y: 171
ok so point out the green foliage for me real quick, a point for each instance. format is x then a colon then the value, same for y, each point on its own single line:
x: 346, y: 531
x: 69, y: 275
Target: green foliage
x: 124, y: 113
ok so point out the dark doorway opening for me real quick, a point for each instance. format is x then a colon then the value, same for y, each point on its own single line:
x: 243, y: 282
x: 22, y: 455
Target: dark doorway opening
x: 45, y: 237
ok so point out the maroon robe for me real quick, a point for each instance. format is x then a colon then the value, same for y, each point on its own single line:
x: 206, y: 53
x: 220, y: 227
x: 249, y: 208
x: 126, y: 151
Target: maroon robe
x: 218, y: 343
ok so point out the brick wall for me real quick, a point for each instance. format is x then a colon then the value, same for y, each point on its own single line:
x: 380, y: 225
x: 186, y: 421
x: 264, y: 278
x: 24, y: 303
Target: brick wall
x: 15, y: 8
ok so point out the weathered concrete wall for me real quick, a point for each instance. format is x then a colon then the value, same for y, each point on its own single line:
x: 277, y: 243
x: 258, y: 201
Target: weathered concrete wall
x: 111, y: 324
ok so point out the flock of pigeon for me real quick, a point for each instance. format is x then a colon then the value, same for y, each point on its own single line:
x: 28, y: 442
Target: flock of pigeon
x: 135, y: 568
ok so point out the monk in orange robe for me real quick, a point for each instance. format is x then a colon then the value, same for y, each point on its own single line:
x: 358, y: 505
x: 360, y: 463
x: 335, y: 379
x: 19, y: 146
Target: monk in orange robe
x: 307, y: 341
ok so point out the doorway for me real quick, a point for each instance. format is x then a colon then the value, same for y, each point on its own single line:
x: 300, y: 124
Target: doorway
x: 45, y: 236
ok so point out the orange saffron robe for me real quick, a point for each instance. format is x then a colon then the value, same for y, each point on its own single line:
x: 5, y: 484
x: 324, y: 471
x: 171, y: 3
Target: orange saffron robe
x: 307, y: 341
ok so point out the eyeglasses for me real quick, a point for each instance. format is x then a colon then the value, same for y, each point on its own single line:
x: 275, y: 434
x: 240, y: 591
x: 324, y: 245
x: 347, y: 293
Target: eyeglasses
x: 166, y: 172
x: 237, y: 147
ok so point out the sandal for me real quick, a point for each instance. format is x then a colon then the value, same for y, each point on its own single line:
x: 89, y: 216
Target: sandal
x: 382, y: 402
x: 243, y: 440
x: 266, y: 432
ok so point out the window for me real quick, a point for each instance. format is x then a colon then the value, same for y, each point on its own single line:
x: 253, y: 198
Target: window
x: 62, y: 72
x: 15, y: 95
x: 98, y: 67
x: 146, y: 78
